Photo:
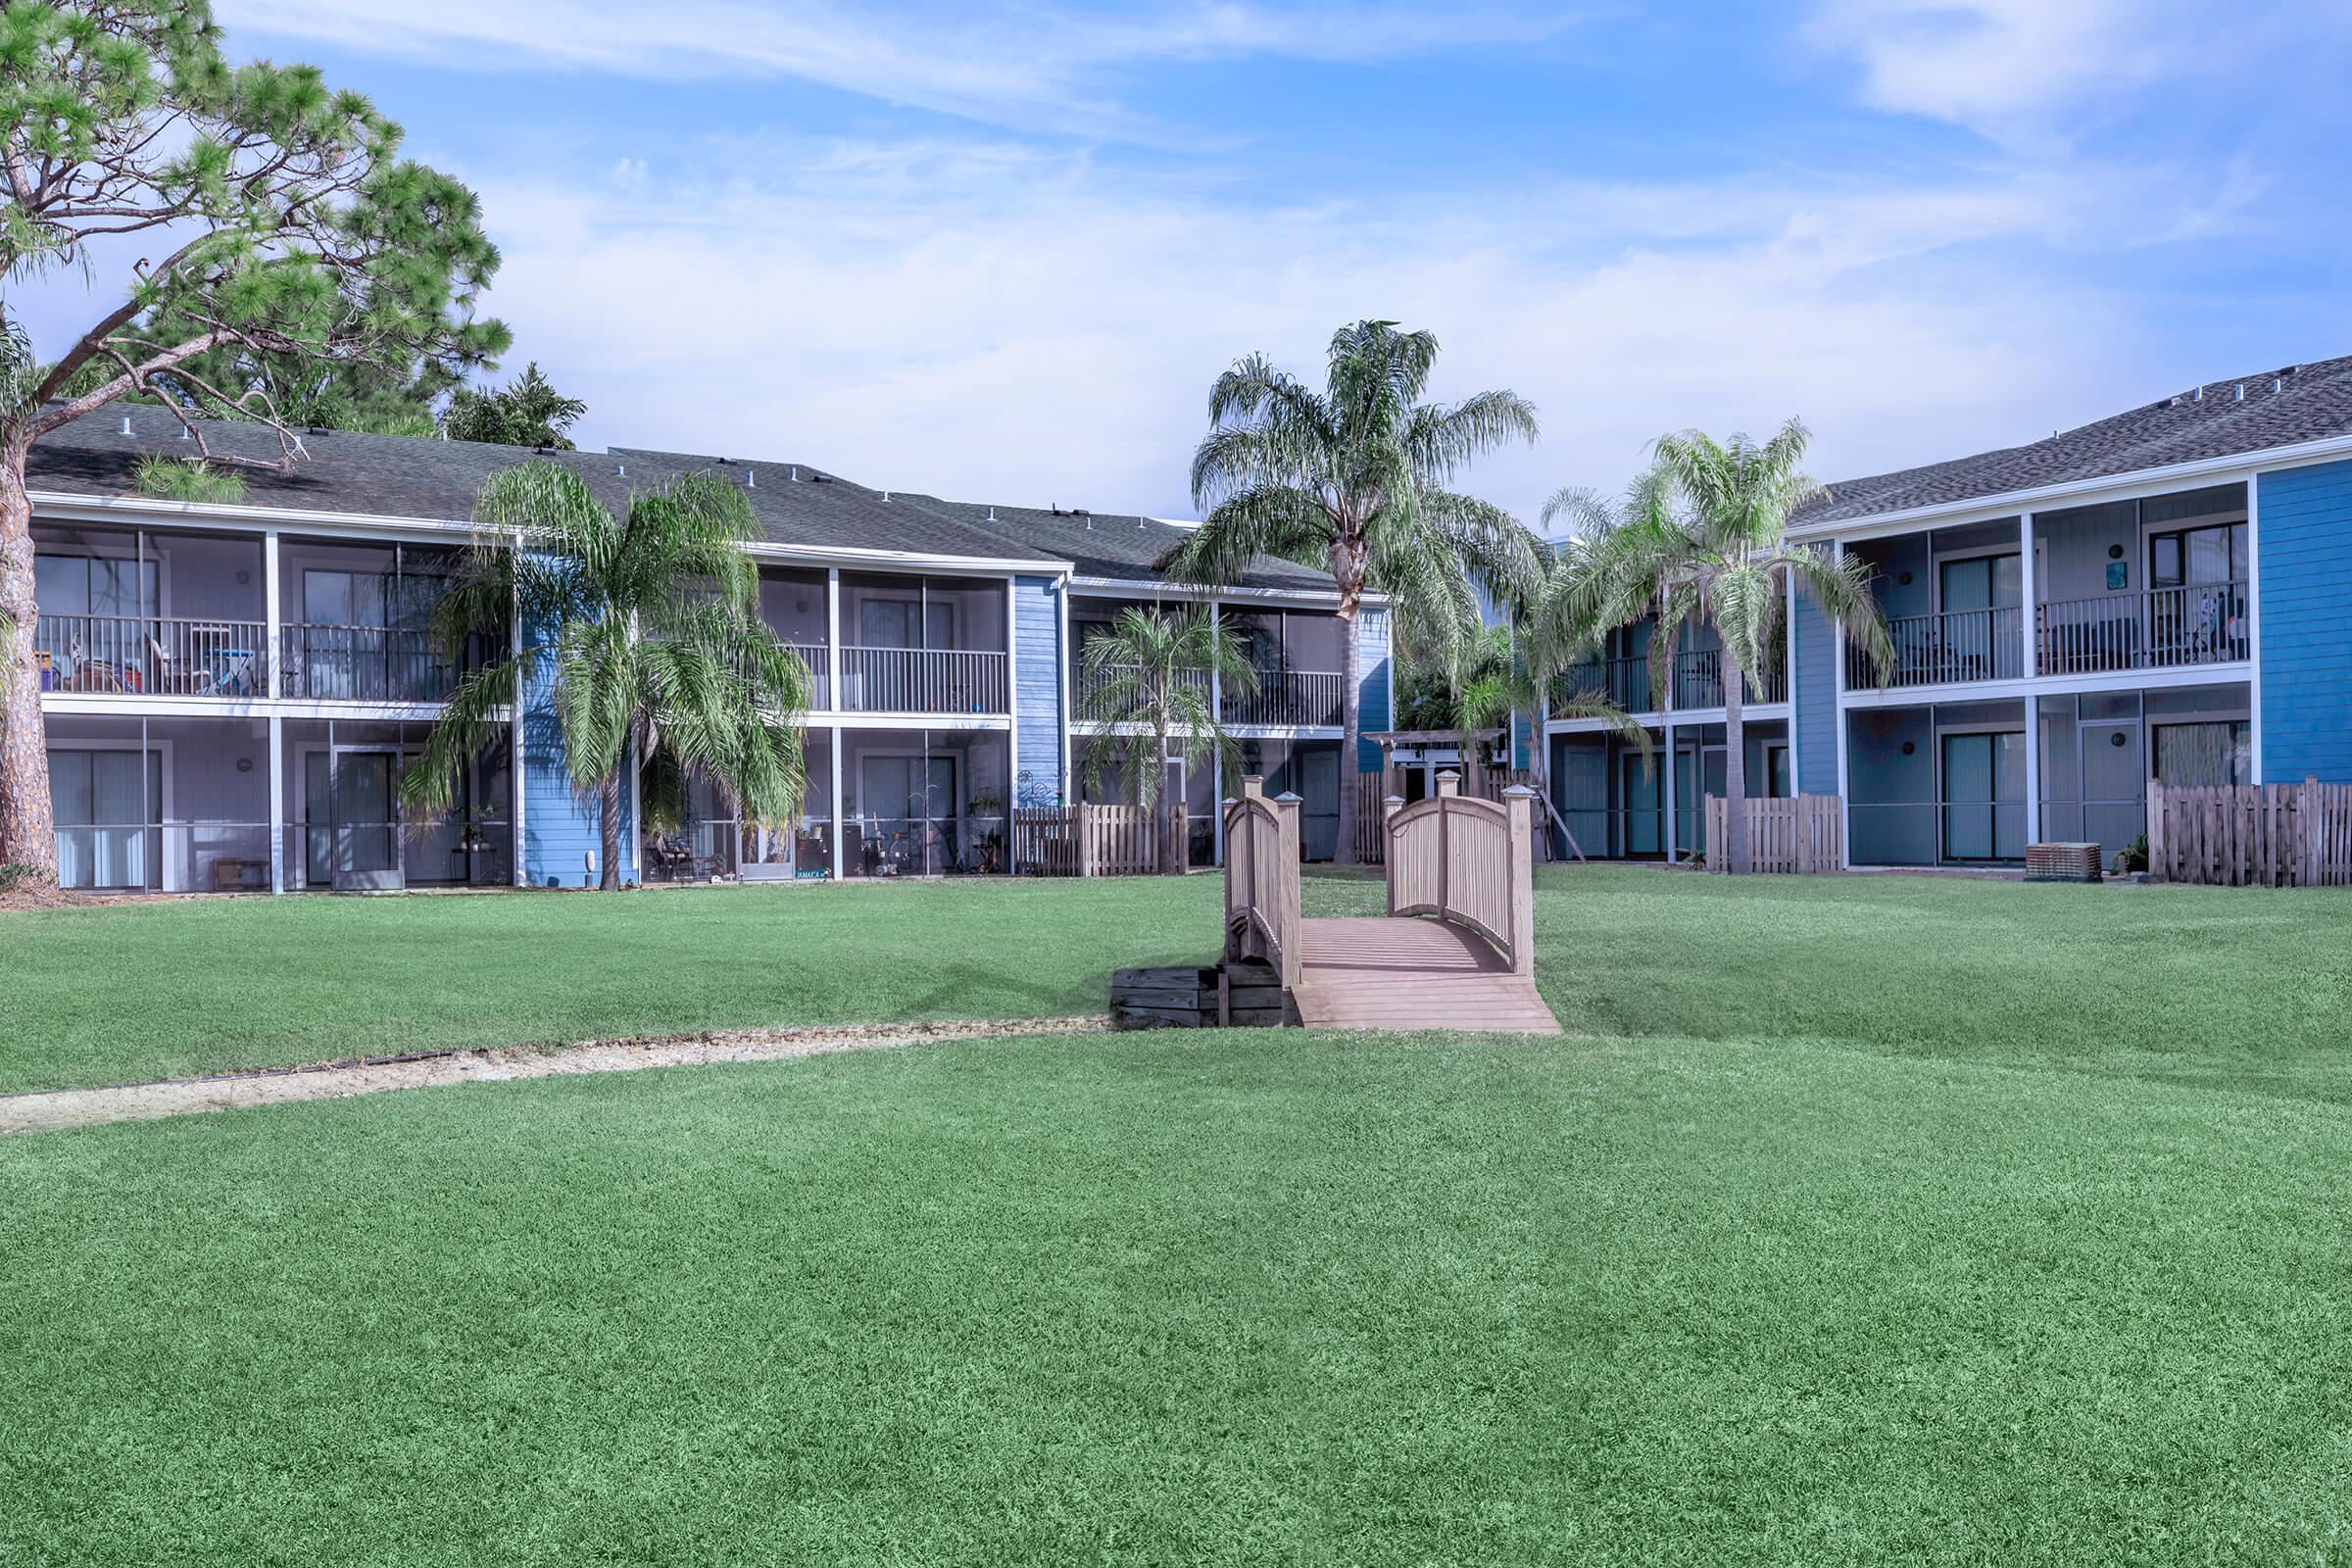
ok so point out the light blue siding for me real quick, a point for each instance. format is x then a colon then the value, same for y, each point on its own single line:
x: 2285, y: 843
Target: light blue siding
x: 1037, y: 696
x: 1371, y: 683
x: 2304, y: 535
x: 1815, y: 690
x: 559, y: 828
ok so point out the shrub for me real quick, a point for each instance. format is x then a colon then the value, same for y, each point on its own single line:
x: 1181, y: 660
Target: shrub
x: 2132, y: 856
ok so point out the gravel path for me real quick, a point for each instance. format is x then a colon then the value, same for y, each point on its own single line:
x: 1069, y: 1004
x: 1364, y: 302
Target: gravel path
x: 58, y: 1109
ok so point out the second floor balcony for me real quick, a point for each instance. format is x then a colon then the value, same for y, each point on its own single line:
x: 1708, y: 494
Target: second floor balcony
x: 1294, y: 699
x: 924, y: 680
x: 1696, y: 682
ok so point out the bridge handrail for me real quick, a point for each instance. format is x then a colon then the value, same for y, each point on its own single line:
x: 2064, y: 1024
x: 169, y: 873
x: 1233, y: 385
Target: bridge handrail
x: 1469, y: 861
x: 1261, y: 879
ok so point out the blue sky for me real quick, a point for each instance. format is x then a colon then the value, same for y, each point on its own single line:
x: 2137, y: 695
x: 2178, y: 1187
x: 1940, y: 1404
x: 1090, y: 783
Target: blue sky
x: 999, y: 253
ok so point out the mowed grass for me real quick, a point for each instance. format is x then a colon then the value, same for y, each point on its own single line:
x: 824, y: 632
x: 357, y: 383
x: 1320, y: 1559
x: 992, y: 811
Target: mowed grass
x: 125, y: 993
x: 2230, y: 987
x: 1239, y: 1298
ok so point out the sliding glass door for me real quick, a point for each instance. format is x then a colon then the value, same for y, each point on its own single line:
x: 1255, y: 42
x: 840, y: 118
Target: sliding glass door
x: 1984, y: 796
x: 105, y: 803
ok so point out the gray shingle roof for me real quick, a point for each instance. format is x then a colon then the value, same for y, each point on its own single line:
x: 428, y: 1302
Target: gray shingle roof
x: 418, y: 477
x: 1122, y: 544
x: 2277, y: 407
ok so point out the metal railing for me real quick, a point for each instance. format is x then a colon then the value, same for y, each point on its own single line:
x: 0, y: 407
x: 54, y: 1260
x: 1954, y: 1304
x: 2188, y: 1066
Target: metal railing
x: 188, y: 655
x: 1290, y: 697
x: 1620, y: 682
x: 924, y: 680
x: 363, y: 664
x: 1696, y: 682
x: 875, y: 846
x: 1958, y: 645
x: 2158, y: 629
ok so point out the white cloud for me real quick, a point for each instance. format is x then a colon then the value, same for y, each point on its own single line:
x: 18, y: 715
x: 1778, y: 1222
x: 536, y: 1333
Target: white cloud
x: 1037, y: 68
x: 1030, y: 332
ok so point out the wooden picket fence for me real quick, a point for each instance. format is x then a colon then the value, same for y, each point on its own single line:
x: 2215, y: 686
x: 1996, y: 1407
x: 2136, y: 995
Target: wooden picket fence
x: 1802, y: 835
x: 2251, y: 835
x: 1086, y: 840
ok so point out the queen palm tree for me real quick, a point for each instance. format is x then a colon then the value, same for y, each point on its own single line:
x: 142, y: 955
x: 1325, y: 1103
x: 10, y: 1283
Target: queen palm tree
x: 1355, y: 479
x: 1149, y: 675
x: 641, y: 632
x: 1702, y: 539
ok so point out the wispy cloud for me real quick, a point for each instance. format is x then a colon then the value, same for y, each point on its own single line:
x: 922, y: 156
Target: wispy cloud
x: 1033, y: 331
x: 1038, y: 68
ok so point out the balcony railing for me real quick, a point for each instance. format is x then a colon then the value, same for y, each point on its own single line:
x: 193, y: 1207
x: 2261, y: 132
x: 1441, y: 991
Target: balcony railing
x: 2159, y: 628
x: 922, y: 680
x: 363, y: 664
x: 1959, y: 645
x: 153, y: 655
x: 1290, y: 697
x: 1697, y: 683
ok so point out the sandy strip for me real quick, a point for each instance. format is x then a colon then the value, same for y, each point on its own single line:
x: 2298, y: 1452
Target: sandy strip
x: 56, y: 1109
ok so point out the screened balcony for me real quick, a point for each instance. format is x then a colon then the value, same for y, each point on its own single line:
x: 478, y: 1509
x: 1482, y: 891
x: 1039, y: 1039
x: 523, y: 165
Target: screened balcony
x: 134, y: 613
x: 923, y: 645
x: 1297, y: 655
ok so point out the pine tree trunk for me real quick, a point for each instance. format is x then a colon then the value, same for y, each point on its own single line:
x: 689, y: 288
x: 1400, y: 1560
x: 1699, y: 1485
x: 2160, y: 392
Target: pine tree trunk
x: 27, y: 829
x: 1735, y: 769
x: 1351, y: 723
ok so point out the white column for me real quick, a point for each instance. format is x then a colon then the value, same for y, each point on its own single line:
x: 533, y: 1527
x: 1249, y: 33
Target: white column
x: 1845, y: 799
x: 516, y: 761
x: 833, y: 643
x: 1671, y: 770
x: 278, y: 793
x: 1013, y: 706
x: 1065, y: 656
x: 2030, y: 596
x: 1797, y: 761
x: 837, y: 813
x: 270, y: 612
x: 1216, y: 704
x: 2253, y: 635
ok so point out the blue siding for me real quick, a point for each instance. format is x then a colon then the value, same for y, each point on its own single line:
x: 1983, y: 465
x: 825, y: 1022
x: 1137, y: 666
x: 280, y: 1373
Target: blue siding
x: 559, y: 828
x: 1815, y: 690
x: 1037, y: 695
x: 2304, y: 528
x: 1371, y: 683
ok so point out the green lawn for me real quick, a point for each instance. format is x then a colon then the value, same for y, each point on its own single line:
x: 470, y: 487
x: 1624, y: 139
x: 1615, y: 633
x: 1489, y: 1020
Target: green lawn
x: 1856, y: 1220
x: 1232, y: 1299
x: 119, y: 993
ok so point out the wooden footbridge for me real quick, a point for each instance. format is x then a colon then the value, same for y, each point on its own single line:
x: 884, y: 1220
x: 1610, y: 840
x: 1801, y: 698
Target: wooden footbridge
x: 1457, y: 950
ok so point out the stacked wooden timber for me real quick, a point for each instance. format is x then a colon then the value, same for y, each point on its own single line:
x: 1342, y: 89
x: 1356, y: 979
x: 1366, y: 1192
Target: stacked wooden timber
x: 1242, y: 994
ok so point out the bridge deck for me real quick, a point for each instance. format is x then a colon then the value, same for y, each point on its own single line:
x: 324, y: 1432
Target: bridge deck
x: 1411, y: 973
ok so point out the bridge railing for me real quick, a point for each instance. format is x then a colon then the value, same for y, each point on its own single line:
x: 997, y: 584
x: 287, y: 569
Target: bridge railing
x: 1470, y: 861
x: 1261, y: 879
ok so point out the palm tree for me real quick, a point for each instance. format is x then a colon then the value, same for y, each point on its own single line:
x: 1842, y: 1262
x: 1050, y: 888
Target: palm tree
x: 1151, y: 674
x: 641, y: 632
x: 1354, y: 478
x: 1701, y: 538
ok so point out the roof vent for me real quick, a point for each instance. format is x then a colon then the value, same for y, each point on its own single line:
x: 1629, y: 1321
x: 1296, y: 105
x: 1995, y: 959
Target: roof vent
x: 991, y: 514
x: 792, y: 471
x: 886, y: 495
x: 186, y: 434
x: 126, y: 424
x: 750, y: 479
x: 2200, y: 397
x: 2241, y: 393
x: 2277, y: 383
x: 621, y: 470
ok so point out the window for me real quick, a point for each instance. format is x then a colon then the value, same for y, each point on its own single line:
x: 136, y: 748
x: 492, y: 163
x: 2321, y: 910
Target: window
x: 1779, y: 781
x: 1981, y: 582
x: 2204, y: 754
x: 2184, y: 558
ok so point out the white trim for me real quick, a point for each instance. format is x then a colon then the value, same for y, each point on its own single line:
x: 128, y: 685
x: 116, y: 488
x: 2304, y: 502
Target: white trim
x: 1845, y: 814
x: 1063, y: 785
x: 1759, y: 714
x: 2087, y: 492
x: 278, y: 804
x: 1133, y: 587
x: 903, y: 721
x: 128, y: 703
x: 2253, y: 633
x: 2028, y: 593
x: 1012, y: 736
x: 273, y: 637
x: 1671, y: 769
x: 833, y: 819
x: 1788, y: 663
x: 2114, y: 681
